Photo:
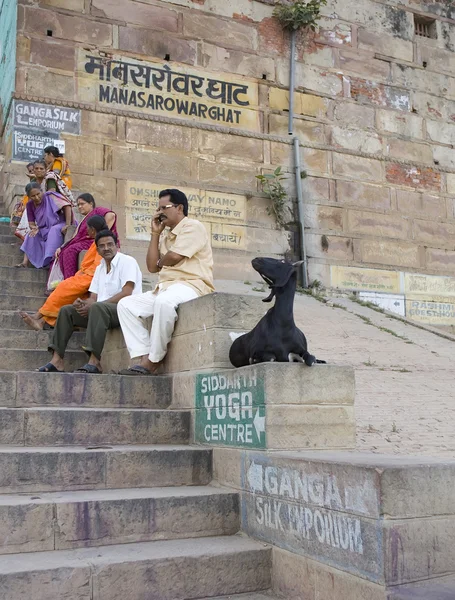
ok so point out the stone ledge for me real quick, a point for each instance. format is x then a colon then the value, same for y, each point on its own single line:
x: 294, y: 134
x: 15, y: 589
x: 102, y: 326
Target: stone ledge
x: 384, y: 519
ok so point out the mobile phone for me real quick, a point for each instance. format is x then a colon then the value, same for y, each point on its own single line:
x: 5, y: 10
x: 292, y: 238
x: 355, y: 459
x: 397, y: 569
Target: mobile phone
x: 161, y: 218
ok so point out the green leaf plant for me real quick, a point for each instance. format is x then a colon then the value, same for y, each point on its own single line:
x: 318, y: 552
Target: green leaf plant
x: 273, y: 188
x: 299, y: 14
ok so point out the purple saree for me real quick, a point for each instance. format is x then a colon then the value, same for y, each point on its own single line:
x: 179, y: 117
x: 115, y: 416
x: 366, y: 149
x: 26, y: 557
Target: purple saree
x: 49, y: 218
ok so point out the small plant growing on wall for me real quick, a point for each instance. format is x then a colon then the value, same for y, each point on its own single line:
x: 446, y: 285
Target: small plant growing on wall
x: 272, y: 186
x: 299, y: 14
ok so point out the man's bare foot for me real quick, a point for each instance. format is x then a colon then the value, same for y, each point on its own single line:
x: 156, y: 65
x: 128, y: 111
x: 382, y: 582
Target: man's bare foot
x: 32, y: 322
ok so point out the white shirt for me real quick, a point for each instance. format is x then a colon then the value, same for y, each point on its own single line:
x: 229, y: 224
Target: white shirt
x: 123, y: 269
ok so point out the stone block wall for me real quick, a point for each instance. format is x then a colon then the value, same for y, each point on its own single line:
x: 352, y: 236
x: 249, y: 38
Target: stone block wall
x: 375, y: 114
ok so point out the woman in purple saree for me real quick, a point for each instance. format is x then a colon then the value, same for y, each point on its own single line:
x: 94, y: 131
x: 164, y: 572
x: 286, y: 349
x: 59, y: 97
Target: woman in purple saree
x: 49, y: 215
x: 68, y: 254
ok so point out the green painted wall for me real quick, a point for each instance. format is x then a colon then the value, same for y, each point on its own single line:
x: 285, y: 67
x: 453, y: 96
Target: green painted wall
x: 8, y: 31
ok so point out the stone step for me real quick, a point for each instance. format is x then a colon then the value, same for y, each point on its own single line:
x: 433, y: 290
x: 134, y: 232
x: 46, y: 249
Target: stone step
x: 29, y: 389
x: 6, y: 237
x: 254, y: 596
x: 165, y: 570
x: 92, y: 426
x: 12, y: 274
x: 25, y: 470
x: 15, y: 359
x: 83, y: 519
x: 11, y: 248
x: 9, y: 260
x: 30, y: 339
x: 15, y: 287
x: 10, y: 319
x: 27, y: 303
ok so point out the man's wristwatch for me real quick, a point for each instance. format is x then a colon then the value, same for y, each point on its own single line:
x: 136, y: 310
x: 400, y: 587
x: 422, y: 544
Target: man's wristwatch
x: 158, y: 263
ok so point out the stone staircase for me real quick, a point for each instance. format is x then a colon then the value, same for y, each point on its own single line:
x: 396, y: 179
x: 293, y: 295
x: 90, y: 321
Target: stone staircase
x: 102, y: 497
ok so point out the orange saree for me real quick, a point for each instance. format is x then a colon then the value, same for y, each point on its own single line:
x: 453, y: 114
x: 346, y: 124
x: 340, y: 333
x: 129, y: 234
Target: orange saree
x: 72, y: 288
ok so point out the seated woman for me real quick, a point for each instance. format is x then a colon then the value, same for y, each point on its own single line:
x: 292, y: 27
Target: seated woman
x: 68, y: 254
x: 19, y: 217
x: 58, y: 174
x: 73, y: 288
x: 49, y: 216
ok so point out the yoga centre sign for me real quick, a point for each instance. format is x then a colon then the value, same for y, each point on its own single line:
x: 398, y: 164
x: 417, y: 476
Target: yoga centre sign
x: 168, y: 89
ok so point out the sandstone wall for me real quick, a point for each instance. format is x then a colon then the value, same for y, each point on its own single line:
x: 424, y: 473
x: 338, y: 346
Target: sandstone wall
x: 375, y: 112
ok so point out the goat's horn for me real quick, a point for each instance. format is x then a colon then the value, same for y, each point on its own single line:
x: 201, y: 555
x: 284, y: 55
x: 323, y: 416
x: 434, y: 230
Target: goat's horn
x: 298, y: 263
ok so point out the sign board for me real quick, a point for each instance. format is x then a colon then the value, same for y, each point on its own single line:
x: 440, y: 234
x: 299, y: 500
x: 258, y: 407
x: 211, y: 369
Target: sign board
x: 223, y: 215
x: 311, y: 510
x: 46, y: 118
x: 394, y: 303
x: 374, y: 280
x: 433, y: 313
x: 428, y: 285
x: 168, y: 89
x: 37, y: 125
x: 230, y: 410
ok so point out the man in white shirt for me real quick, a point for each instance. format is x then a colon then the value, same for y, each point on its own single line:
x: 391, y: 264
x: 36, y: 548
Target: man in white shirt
x: 117, y: 276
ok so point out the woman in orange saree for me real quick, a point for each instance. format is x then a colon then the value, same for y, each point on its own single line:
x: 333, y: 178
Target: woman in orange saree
x: 58, y: 174
x: 72, y: 288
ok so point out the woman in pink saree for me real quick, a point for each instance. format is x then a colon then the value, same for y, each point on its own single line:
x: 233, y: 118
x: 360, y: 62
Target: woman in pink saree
x: 68, y: 254
x: 49, y: 215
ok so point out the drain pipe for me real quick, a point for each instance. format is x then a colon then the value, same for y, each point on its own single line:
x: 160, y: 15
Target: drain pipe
x: 292, y: 84
x: 296, y: 148
x: 298, y: 185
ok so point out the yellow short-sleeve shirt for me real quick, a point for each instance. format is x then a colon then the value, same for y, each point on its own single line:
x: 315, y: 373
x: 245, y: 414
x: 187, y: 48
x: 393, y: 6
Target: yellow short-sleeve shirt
x: 189, y: 238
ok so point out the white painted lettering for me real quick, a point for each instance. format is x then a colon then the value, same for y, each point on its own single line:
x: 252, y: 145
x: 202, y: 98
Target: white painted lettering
x: 286, y: 486
x: 270, y: 480
x: 259, y: 510
x: 209, y: 403
x: 220, y: 407
x: 316, y: 489
x: 249, y: 433
x: 247, y: 405
x: 319, y: 526
x: 234, y: 406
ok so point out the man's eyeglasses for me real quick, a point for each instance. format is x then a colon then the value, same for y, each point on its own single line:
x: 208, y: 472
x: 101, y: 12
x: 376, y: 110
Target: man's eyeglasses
x: 160, y: 208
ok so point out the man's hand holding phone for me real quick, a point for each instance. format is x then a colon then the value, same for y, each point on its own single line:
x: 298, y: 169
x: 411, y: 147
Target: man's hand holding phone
x: 157, y: 224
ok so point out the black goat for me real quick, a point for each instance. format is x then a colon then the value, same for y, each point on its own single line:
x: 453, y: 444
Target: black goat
x: 275, y: 337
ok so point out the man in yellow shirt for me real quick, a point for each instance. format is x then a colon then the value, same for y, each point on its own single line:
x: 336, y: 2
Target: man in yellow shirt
x: 180, y: 252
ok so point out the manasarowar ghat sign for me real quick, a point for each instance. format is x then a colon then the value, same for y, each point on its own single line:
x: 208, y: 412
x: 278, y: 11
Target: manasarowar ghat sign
x: 168, y: 89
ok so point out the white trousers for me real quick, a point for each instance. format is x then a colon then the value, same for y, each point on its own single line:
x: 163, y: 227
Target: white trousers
x: 133, y: 310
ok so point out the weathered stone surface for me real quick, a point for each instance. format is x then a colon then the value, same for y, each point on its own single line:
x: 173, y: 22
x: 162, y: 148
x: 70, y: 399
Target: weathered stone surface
x: 67, y: 27
x: 158, y: 17
x: 444, y: 156
x: 77, y: 390
x: 158, y: 467
x: 324, y: 246
x: 416, y: 177
x: 75, y: 5
x: 363, y: 195
x: 226, y: 174
x: 388, y: 252
x: 227, y: 467
x: 440, y: 260
x: 304, y: 104
x: 142, y: 42
x: 224, y: 33
x: 161, y: 135
x: 400, y: 123
x: 102, y: 518
x: 11, y: 426
x: 440, y: 588
x: 220, y: 565
x: 316, y: 161
x: 323, y: 217
x: 237, y: 61
x: 387, y: 45
x: 324, y: 57
x: 357, y: 167
x: 47, y: 54
x: 51, y: 427
x: 434, y: 234
x: 297, y: 577
x: 451, y: 183
x: 39, y: 82
x: 79, y: 150
x: 350, y: 113
x: 414, y: 203
x: 369, y: 92
x: 129, y: 161
x: 357, y: 140
x: 378, y: 225
x: 96, y: 124
x: 25, y: 527
x: 404, y: 150
x: 218, y: 144
x: 359, y: 63
x: 315, y: 427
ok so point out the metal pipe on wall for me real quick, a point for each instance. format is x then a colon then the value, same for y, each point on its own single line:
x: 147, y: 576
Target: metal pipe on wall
x: 292, y: 84
x: 298, y: 185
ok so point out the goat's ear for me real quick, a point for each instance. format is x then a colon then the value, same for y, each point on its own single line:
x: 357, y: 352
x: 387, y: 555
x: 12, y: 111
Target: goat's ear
x: 285, y: 275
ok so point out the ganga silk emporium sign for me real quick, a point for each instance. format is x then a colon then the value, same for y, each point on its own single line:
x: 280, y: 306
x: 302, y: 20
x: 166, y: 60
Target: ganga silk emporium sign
x: 168, y: 89
x: 223, y: 215
x: 230, y: 410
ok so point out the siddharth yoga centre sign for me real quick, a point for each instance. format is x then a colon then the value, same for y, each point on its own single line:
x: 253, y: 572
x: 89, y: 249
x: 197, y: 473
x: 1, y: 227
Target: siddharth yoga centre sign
x: 168, y: 89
